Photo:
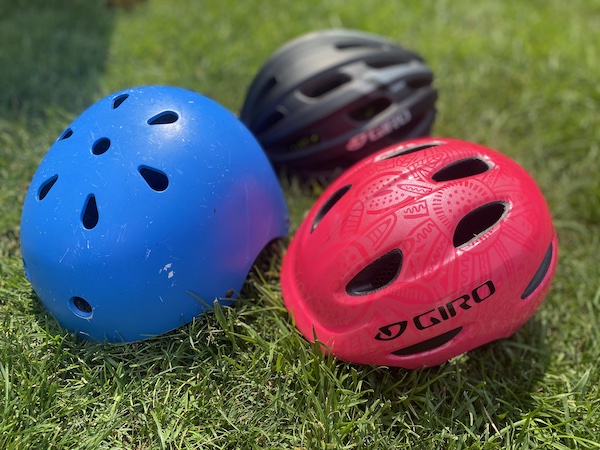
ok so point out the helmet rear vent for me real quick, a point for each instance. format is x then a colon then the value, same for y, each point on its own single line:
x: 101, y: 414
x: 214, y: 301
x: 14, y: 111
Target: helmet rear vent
x: 337, y: 195
x: 370, y: 110
x: 377, y: 275
x: 164, y: 118
x: 118, y: 100
x: 90, y: 213
x: 540, y: 274
x: 46, y: 186
x: 101, y: 146
x: 429, y: 344
x: 324, y: 85
x: 156, y: 179
x: 66, y: 134
x: 461, y: 169
x: 478, y: 222
x: 402, y: 151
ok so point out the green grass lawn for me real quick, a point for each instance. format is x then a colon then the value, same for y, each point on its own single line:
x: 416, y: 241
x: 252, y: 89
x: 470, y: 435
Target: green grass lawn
x: 520, y: 77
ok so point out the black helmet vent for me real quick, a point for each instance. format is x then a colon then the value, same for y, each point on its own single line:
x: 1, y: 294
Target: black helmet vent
x: 370, y: 110
x: 478, y: 222
x: 383, y: 63
x: 402, y: 151
x: 66, y: 134
x: 324, y: 85
x: 46, y: 186
x: 156, y: 179
x: 118, y: 100
x: 540, y: 274
x: 429, y: 344
x: 90, y: 213
x: 270, y: 84
x: 461, y: 169
x: 101, y: 146
x: 350, y: 45
x: 271, y: 120
x: 377, y: 275
x: 164, y: 118
x: 420, y: 82
x: 336, y: 197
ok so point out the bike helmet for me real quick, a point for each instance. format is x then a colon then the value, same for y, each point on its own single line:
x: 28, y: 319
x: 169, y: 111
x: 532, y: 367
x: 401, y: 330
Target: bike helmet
x: 329, y: 98
x: 150, y: 206
x: 420, y: 253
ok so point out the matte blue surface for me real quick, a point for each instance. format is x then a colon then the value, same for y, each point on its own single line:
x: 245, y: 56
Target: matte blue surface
x: 157, y: 257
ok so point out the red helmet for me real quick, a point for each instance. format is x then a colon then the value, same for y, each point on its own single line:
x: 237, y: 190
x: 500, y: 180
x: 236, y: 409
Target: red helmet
x: 419, y: 253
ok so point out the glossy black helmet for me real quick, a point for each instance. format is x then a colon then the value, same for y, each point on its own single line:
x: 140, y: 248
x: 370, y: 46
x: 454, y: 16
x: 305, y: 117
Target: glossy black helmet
x: 327, y: 99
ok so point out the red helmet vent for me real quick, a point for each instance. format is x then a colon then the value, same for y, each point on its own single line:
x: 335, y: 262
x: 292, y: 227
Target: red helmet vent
x: 377, y: 275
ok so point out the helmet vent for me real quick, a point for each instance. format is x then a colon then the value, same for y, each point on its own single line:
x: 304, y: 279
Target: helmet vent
x: 429, y: 344
x: 383, y: 63
x: 420, y: 82
x: 270, y: 84
x: 329, y: 204
x: 478, y: 222
x: 80, y: 307
x: 164, y: 118
x: 540, y: 274
x: 269, y: 122
x: 351, y: 45
x: 101, y: 146
x: 118, y: 100
x: 90, y: 213
x: 461, y: 169
x: 377, y: 275
x: 156, y: 179
x: 66, y: 134
x: 402, y: 151
x: 370, y: 110
x: 325, y: 85
x: 46, y: 186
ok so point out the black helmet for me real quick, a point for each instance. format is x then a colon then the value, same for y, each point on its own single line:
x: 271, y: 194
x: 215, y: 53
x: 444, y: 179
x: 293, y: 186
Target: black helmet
x: 329, y: 98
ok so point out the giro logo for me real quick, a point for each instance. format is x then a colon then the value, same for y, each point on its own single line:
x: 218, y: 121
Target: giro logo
x: 440, y: 314
x: 435, y: 316
x: 391, y: 331
x: 383, y: 129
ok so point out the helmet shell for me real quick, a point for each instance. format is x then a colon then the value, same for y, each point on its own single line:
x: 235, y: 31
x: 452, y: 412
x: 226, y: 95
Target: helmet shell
x: 151, y: 205
x: 329, y: 98
x: 420, y: 253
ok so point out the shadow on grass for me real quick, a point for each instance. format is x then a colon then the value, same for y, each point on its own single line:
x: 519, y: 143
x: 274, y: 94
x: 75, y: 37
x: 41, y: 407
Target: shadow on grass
x: 52, y: 54
x: 483, y: 391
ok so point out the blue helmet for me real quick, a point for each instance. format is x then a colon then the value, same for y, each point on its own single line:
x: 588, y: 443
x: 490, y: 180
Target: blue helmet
x: 154, y: 203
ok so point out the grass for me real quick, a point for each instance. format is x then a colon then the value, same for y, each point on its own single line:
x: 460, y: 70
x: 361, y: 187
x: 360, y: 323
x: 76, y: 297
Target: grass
x: 521, y: 77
